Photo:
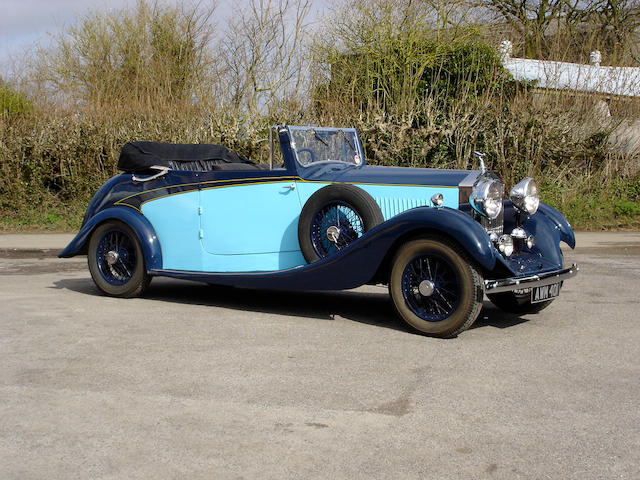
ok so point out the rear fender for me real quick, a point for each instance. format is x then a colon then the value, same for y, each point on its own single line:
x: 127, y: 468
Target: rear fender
x: 138, y: 223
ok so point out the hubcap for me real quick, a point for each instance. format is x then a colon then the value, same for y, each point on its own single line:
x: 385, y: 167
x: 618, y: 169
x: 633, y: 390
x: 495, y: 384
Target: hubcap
x: 333, y: 233
x: 111, y: 257
x: 426, y: 288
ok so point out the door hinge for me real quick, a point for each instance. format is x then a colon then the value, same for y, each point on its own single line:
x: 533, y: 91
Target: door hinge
x: 200, y: 210
x: 201, y: 234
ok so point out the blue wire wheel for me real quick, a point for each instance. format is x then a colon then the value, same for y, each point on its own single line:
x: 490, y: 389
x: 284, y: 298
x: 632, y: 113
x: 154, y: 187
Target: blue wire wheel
x: 334, y: 226
x: 436, y: 287
x: 116, y: 260
x: 431, y: 287
x: 116, y: 257
x: 333, y: 217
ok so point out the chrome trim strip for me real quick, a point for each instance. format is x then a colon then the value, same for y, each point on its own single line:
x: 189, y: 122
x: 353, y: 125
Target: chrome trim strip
x: 161, y: 172
x: 516, y: 283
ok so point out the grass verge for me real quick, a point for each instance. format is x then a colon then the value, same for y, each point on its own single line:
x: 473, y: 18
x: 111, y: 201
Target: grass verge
x: 605, y: 208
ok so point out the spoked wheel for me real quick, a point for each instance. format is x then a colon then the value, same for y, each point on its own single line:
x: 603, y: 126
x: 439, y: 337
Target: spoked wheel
x: 435, y: 287
x: 335, y: 226
x: 116, y: 261
x: 333, y: 217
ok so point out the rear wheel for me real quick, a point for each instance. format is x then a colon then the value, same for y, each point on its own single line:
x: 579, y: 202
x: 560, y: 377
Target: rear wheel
x: 435, y: 287
x: 116, y: 261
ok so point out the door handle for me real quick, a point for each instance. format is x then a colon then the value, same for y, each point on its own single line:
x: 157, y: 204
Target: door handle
x: 290, y: 187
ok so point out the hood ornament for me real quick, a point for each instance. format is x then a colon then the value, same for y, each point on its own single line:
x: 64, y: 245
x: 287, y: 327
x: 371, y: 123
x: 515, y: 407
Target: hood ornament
x: 481, y: 156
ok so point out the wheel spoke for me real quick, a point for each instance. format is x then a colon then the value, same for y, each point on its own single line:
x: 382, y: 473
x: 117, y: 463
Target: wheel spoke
x: 449, y: 306
x: 443, y: 300
x: 125, y: 268
x: 341, y: 216
x: 429, y: 268
x: 413, y: 271
x: 449, y: 292
x: 121, y: 270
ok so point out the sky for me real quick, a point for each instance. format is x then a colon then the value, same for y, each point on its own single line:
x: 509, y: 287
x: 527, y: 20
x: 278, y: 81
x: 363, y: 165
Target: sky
x: 25, y: 22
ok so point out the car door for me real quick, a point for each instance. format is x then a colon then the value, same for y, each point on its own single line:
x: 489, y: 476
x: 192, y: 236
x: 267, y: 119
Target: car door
x: 250, y: 223
x: 171, y: 206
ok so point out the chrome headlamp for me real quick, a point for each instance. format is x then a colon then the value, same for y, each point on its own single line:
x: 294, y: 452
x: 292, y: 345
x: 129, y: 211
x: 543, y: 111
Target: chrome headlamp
x: 525, y: 196
x: 486, y: 197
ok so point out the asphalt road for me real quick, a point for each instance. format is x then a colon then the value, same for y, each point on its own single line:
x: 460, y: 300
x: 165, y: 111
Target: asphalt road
x: 194, y: 381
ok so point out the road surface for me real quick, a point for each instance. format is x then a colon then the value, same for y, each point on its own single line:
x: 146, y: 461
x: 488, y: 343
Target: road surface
x: 194, y: 381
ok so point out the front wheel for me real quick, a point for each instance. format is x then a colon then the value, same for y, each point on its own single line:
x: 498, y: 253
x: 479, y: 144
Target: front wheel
x: 116, y: 261
x: 435, y: 287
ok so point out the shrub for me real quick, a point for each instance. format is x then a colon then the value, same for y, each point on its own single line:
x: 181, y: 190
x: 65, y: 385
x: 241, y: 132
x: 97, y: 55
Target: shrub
x: 626, y: 207
x: 421, y: 95
x: 148, y: 56
x: 12, y: 102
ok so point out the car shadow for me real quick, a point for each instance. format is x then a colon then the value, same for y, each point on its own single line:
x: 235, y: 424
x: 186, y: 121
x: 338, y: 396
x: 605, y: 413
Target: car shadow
x: 492, y: 316
x: 370, y: 308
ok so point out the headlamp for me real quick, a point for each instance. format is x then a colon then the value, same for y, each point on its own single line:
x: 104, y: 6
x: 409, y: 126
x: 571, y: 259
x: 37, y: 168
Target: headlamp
x: 525, y: 196
x: 486, y: 197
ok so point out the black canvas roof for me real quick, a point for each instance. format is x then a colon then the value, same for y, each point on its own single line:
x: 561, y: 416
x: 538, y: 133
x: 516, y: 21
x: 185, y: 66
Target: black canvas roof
x: 140, y: 156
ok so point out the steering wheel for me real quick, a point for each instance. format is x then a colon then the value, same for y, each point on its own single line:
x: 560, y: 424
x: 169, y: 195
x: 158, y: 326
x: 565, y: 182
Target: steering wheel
x: 311, y: 154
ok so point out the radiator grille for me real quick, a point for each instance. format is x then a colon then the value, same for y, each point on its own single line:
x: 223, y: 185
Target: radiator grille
x: 496, y: 225
x: 393, y: 206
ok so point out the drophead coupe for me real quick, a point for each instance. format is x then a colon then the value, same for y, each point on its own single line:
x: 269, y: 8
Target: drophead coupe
x: 319, y: 218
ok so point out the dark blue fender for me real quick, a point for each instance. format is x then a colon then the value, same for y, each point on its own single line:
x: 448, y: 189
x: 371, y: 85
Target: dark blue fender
x: 549, y: 228
x: 139, y: 224
x: 561, y: 224
x: 358, y: 263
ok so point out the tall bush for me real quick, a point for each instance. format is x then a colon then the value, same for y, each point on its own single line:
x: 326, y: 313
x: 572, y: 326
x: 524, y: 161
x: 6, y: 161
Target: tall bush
x: 149, y: 56
x: 13, y: 102
x: 422, y: 87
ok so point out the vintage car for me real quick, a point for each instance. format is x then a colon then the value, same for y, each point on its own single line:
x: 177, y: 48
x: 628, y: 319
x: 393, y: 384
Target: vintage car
x: 319, y: 218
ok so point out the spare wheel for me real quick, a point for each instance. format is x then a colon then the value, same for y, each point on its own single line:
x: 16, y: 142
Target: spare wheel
x: 333, y: 217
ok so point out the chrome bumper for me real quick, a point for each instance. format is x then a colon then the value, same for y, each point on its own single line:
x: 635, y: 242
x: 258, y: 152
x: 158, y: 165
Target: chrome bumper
x: 517, y: 283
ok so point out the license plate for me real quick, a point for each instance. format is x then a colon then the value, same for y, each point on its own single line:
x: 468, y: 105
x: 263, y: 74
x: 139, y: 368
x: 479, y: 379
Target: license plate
x: 546, y: 292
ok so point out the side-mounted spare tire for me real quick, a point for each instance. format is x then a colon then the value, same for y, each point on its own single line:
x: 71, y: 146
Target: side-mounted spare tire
x: 333, y: 217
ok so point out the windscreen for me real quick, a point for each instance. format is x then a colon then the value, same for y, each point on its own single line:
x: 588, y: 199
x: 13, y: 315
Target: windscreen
x: 320, y: 145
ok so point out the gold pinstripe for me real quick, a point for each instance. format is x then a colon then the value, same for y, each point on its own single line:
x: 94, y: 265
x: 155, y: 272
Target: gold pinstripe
x: 241, y: 182
x: 238, y: 182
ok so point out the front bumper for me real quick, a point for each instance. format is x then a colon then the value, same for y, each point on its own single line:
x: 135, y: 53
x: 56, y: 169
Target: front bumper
x: 531, y: 281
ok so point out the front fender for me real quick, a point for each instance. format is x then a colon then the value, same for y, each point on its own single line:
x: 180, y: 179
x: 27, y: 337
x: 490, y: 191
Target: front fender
x: 452, y: 223
x: 561, y: 224
x: 140, y: 225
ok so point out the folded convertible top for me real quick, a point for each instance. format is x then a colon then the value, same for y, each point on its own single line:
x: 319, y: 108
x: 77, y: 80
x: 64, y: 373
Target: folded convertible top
x: 140, y: 156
